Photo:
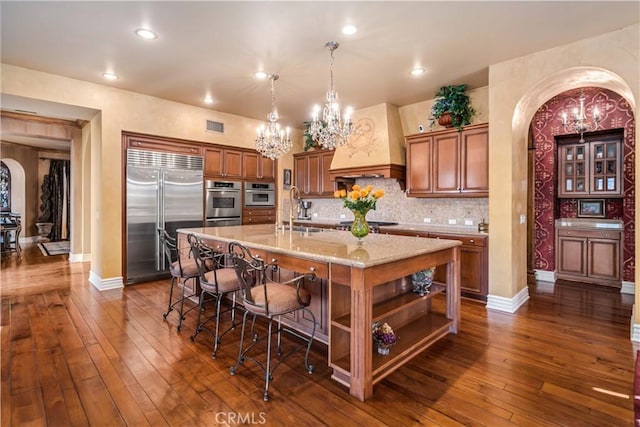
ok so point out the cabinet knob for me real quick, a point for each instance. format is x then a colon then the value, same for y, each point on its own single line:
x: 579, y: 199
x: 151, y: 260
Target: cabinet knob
x: 471, y: 241
x: 312, y: 269
x: 274, y: 260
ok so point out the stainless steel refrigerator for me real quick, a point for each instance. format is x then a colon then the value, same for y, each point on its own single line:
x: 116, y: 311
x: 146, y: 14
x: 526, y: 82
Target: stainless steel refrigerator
x: 164, y: 190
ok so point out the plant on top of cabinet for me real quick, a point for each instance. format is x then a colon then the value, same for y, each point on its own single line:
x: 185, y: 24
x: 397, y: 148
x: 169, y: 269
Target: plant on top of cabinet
x: 452, y: 99
x: 309, y: 142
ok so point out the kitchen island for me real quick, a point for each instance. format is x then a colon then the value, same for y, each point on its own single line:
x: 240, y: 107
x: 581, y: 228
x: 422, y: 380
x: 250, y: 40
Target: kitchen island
x: 366, y: 283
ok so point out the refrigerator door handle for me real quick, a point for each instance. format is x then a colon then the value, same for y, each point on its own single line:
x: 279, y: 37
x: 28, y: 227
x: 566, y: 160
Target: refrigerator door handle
x: 160, y: 258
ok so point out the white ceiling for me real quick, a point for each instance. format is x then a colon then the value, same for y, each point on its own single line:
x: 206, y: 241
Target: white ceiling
x: 215, y: 47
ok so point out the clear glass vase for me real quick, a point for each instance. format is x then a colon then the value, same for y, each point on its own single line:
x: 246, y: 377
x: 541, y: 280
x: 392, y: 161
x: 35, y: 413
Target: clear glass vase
x: 359, y: 227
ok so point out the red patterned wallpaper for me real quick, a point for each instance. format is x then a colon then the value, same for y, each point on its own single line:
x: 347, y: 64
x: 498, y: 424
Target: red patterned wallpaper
x: 616, y: 113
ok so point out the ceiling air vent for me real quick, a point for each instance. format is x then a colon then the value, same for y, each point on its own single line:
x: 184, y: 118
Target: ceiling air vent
x: 217, y: 127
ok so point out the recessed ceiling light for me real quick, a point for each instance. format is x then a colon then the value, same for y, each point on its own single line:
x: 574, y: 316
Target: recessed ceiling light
x: 110, y: 76
x: 349, y: 29
x: 417, y: 71
x: 146, y: 34
x: 260, y: 75
x: 208, y: 99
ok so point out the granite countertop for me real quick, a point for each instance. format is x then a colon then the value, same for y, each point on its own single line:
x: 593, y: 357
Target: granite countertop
x: 420, y: 228
x: 326, y: 245
x: 590, y: 223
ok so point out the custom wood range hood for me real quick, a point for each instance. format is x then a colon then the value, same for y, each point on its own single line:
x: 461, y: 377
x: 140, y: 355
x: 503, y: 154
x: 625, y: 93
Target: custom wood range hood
x: 376, y: 148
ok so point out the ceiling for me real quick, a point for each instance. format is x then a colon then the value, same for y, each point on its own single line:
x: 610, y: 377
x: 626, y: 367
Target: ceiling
x: 213, y: 48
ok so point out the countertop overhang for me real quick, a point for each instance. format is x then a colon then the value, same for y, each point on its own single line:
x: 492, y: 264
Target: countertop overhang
x: 418, y: 228
x: 339, y: 247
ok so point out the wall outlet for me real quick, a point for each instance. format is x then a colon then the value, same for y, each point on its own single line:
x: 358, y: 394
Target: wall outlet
x: 426, y: 220
x: 315, y: 215
x: 342, y: 216
x: 468, y: 222
x: 453, y: 222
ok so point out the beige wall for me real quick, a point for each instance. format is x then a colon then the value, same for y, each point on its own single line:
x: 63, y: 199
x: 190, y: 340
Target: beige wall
x: 516, y: 89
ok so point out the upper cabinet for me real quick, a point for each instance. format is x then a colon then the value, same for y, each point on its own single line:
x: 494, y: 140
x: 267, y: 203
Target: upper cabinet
x: 223, y: 162
x: 449, y: 163
x: 256, y: 167
x: 311, y: 173
x: 590, y: 169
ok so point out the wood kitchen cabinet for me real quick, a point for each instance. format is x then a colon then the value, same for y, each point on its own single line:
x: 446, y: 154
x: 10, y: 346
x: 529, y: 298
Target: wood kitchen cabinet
x: 159, y: 143
x: 256, y: 167
x: 591, y: 169
x: 258, y: 216
x: 449, y: 163
x: 474, y: 262
x: 591, y: 256
x: 311, y: 173
x: 223, y: 162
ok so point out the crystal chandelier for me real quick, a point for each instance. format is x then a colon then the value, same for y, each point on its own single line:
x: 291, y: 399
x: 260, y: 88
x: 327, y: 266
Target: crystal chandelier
x: 273, y: 141
x: 331, y: 131
x: 579, y: 122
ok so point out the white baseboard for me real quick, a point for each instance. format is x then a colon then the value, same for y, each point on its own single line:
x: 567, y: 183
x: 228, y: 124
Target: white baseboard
x: 628, y: 288
x: 510, y: 305
x: 79, y: 257
x: 30, y: 239
x: 105, y: 284
x: 545, y: 276
x: 635, y: 327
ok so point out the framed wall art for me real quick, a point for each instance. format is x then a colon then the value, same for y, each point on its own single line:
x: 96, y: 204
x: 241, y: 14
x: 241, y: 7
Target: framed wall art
x: 591, y: 208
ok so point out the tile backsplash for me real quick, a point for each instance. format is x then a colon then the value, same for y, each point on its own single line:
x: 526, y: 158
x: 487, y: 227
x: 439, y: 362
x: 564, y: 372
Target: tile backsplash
x: 396, y: 206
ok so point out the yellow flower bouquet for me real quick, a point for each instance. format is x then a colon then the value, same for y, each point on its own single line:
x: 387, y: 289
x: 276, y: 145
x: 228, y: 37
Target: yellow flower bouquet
x: 359, y: 199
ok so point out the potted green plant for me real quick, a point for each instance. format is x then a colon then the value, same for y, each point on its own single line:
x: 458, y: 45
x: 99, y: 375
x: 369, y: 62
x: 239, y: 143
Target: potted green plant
x: 309, y: 142
x: 452, y: 99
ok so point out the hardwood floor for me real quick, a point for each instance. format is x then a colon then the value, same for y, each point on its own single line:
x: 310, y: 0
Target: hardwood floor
x: 71, y: 355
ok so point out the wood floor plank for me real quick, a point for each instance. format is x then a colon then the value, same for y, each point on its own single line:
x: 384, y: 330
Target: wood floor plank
x: 72, y: 355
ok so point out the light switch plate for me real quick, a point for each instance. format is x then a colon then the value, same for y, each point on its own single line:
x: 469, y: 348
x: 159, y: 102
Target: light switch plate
x: 468, y: 222
x: 427, y: 220
x: 523, y: 218
x: 453, y: 222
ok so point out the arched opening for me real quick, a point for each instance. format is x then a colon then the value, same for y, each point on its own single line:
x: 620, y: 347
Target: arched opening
x: 17, y: 190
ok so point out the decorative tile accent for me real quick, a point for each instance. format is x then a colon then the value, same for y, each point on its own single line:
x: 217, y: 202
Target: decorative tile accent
x: 396, y: 206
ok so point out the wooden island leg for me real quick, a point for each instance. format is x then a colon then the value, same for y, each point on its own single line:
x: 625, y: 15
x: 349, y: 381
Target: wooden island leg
x: 361, y: 385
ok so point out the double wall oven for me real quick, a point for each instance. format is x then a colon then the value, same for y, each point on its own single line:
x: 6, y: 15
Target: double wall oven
x: 223, y: 203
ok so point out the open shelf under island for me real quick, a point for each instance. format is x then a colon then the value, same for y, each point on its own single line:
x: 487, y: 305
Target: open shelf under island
x: 360, y: 284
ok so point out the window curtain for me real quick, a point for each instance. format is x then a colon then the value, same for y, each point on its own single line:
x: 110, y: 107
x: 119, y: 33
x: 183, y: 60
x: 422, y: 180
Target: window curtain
x: 56, y: 199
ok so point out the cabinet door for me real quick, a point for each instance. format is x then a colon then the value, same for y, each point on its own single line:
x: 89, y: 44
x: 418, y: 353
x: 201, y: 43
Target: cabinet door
x: 419, y: 172
x: 214, y: 162
x: 301, y: 173
x: 573, y: 170
x: 446, y: 163
x: 251, y: 166
x: 474, y: 154
x: 472, y: 270
x: 572, y: 255
x: 326, y: 185
x: 604, y: 259
x: 223, y: 162
x: 232, y: 164
x: 313, y: 174
x: 605, y: 168
x: 267, y: 169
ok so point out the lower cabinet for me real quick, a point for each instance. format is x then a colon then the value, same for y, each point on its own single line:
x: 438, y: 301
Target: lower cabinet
x: 258, y: 216
x: 589, y: 256
x: 473, y: 262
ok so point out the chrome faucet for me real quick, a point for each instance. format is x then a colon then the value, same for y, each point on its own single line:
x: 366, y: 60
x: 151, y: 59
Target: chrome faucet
x: 294, y: 194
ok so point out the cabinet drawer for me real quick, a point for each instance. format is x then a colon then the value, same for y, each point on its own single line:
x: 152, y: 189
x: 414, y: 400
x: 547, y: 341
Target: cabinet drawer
x: 298, y: 264
x: 589, y: 234
x: 258, y: 212
x: 259, y: 219
x: 466, y: 240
